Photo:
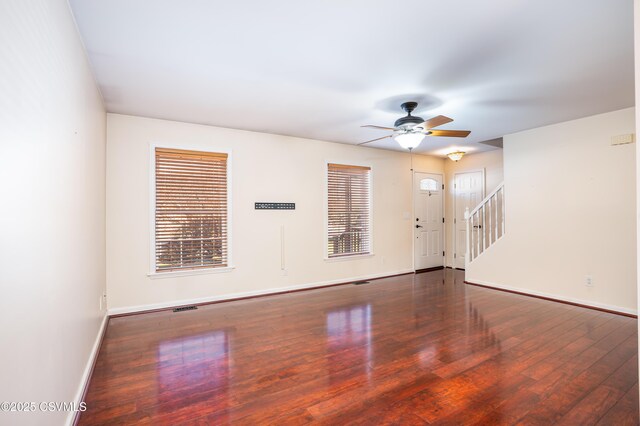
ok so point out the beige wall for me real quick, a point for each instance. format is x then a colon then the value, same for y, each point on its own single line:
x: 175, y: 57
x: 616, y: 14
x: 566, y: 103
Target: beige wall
x: 570, y: 212
x: 52, y: 168
x: 264, y: 168
x: 491, y: 163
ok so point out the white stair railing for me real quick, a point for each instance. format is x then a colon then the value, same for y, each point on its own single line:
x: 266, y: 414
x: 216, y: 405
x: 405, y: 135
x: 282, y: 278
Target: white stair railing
x: 485, y: 223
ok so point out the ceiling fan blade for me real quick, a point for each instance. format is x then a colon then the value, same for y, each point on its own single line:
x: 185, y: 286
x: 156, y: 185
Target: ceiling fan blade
x: 436, y: 121
x: 373, y: 140
x: 379, y: 127
x: 450, y: 133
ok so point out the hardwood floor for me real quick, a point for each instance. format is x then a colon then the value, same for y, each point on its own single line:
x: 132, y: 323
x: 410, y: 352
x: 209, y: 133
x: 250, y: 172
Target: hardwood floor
x: 414, y: 349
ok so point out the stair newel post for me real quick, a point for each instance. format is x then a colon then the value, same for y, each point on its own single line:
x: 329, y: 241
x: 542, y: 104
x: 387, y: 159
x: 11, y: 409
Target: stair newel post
x: 503, y: 204
x: 468, y: 251
x: 487, y: 228
x: 495, y: 230
x: 482, y: 227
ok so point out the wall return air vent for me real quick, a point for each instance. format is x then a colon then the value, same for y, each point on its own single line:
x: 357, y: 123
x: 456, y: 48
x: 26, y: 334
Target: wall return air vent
x: 185, y: 308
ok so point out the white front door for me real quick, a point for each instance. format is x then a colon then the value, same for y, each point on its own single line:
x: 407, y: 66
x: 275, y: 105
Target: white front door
x: 428, y: 224
x: 469, y: 191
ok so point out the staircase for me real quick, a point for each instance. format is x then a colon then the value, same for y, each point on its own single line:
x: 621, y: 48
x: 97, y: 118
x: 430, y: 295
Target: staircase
x: 485, y: 223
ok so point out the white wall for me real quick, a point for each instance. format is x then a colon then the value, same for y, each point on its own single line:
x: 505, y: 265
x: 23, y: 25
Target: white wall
x: 570, y: 212
x: 264, y: 168
x: 491, y: 163
x: 52, y: 169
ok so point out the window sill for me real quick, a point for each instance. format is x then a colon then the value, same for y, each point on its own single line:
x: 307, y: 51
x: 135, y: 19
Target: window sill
x: 345, y: 258
x: 171, y: 274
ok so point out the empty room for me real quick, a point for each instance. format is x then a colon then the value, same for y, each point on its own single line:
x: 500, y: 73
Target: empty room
x: 287, y: 212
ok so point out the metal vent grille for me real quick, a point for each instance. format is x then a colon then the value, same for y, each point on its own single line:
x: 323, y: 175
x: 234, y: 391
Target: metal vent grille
x: 185, y: 308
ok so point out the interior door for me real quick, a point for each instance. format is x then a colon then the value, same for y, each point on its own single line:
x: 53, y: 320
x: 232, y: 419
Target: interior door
x: 469, y: 191
x: 428, y: 224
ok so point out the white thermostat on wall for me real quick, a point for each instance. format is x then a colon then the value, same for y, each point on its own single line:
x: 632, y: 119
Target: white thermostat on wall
x: 623, y: 139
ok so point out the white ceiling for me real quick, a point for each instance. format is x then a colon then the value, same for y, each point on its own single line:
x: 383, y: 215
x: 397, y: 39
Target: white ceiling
x: 321, y: 69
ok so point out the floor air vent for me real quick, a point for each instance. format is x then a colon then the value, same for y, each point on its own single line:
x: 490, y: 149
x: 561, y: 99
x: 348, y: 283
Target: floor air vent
x: 185, y: 308
x: 361, y: 282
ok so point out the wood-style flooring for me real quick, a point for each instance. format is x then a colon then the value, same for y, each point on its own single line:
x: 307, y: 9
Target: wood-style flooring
x: 414, y: 349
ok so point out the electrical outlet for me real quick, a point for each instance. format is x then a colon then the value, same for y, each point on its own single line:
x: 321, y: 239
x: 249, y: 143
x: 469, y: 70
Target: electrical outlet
x: 285, y: 272
x: 588, y: 281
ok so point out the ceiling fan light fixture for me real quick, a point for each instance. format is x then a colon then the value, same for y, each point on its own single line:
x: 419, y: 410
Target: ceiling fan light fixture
x: 410, y: 130
x: 409, y: 140
x: 456, y: 155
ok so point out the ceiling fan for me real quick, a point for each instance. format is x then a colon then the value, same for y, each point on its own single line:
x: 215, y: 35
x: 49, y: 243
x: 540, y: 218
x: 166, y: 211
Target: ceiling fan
x: 409, y: 131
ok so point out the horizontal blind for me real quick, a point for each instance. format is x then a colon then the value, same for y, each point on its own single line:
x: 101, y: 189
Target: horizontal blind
x: 349, y: 205
x: 191, y: 210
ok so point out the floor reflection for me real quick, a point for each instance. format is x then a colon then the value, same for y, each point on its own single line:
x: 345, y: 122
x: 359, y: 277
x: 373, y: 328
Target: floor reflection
x: 468, y: 329
x: 480, y: 326
x: 193, y: 369
x: 349, y: 340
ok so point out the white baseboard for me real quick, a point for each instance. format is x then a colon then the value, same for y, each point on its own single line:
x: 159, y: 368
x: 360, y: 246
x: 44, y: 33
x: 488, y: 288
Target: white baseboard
x: 557, y: 297
x: 181, y: 302
x: 86, y: 374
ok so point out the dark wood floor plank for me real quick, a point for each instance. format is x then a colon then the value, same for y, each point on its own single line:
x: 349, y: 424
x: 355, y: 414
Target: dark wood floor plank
x: 592, y: 407
x: 511, y: 409
x: 623, y: 413
x: 414, y: 349
x: 551, y: 409
x: 485, y: 401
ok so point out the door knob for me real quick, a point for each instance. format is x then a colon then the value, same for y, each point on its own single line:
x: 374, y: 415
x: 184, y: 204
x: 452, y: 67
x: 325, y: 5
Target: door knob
x: 418, y: 226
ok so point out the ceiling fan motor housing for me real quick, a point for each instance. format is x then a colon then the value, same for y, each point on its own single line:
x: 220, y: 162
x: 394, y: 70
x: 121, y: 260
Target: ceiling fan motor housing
x: 409, y: 120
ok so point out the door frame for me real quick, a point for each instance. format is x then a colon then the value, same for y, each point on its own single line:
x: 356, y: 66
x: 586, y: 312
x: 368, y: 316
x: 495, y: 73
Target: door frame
x: 413, y: 215
x: 455, y: 201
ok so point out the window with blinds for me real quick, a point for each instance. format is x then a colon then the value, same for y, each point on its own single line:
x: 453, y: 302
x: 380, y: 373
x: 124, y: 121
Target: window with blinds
x: 190, y: 210
x: 349, y: 210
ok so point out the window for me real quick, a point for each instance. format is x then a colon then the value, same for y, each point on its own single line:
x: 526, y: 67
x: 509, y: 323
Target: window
x: 428, y: 184
x: 190, y: 210
x: 349, y: 210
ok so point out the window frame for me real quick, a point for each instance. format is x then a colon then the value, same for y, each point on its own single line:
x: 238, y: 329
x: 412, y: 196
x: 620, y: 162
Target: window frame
x: 325, y: 195
x: 437, y: 189
x: 153, y: 274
